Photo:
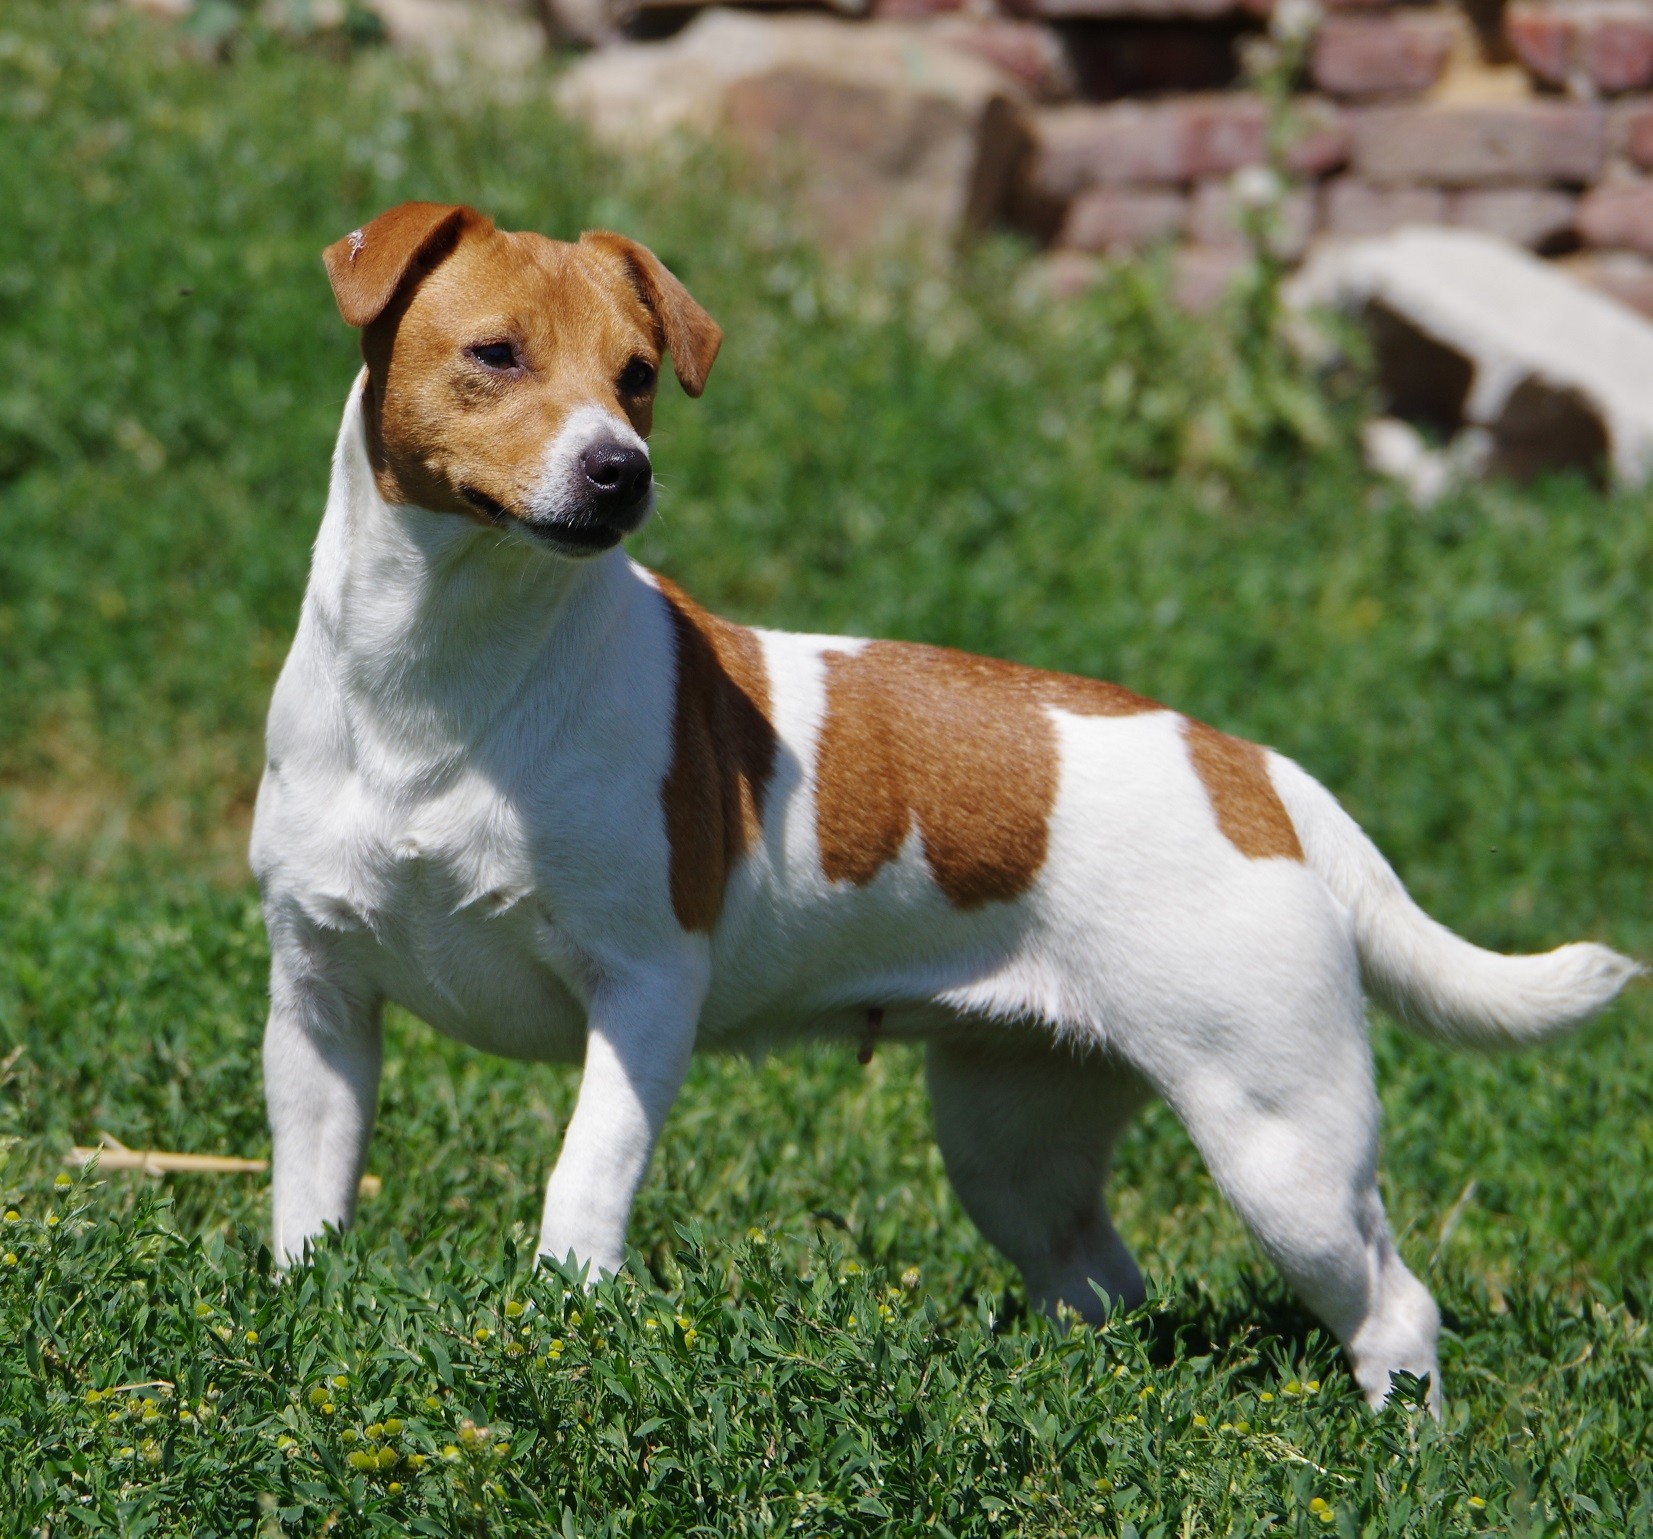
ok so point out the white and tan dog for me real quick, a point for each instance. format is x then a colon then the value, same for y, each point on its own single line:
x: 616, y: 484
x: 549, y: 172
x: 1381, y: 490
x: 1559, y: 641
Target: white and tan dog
x: 541, y: 799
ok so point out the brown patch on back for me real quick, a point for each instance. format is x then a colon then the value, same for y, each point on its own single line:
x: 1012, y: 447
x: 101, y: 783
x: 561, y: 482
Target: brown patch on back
x: 723, y: 754
x: 963, y: 744
x: 1236, y: 778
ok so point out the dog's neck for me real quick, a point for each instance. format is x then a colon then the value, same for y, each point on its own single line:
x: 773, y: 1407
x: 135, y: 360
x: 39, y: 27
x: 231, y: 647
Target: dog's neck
x: 433, y: 623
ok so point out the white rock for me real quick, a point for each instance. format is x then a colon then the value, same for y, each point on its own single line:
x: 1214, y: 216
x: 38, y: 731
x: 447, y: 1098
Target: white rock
x: 886, y: 118
x: 1557, y: 373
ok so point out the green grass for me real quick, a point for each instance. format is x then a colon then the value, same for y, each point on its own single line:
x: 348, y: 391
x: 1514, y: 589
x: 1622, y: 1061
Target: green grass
x: 1105, y: 488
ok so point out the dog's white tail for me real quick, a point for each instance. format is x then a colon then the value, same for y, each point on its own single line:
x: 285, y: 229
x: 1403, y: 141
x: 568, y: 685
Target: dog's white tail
x: 1433, y: 980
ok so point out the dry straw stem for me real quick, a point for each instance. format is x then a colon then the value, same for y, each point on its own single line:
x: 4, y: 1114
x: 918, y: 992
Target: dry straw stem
x: 112, y: 1154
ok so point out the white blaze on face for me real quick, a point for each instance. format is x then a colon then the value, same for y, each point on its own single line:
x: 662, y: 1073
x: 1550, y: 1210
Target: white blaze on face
x: 561, y: 490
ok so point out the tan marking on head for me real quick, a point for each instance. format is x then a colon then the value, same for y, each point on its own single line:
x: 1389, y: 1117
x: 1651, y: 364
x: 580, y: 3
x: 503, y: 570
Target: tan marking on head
x: 428, y: 283
x: 723, y: 754
x: 964, y: 745
x: 1247, y: 806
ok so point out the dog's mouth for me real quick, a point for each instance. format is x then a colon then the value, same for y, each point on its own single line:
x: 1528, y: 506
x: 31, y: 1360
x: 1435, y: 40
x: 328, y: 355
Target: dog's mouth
x: 489, y: 507
x: 566, y: 536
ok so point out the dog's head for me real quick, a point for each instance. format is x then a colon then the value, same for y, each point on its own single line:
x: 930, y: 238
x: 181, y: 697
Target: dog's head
x: 511, y: 378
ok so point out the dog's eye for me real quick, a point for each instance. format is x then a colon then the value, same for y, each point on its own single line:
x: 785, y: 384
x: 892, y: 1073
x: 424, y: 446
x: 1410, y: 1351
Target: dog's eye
x: 636, y: 377
x: 495, y: 355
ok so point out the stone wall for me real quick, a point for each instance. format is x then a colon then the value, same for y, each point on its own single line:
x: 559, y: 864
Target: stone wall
x: 1126, y: 124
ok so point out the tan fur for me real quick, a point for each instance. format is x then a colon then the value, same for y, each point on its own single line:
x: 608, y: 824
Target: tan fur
x: 961, y: 743
x: 426, y: 282
x: 723, y: 753
x: 1236, y: 778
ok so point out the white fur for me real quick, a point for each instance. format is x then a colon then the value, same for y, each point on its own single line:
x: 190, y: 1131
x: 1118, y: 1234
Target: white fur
x: 461, y: 813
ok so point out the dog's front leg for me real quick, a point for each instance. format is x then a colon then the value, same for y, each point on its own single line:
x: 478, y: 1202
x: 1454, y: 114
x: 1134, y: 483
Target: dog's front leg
x: 321, y: 1085
x: 639, y: 1039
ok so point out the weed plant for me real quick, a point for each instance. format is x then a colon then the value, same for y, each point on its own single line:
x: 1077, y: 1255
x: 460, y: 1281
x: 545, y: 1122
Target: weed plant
x: 811, y: 1338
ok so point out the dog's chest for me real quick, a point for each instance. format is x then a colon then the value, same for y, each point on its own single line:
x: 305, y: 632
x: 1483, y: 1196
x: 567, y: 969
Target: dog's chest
x: 445, y: 903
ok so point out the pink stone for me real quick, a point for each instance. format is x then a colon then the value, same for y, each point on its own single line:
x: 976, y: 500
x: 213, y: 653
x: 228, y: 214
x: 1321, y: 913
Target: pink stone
x: 1379, y: 55
x: 1461, y: 145
x: 1348, y: 207
x: 1536, y: 217
x: 1607, y: 43
x: 1122, y: 219
x: 1176, y: 141
x: 1618, y: 214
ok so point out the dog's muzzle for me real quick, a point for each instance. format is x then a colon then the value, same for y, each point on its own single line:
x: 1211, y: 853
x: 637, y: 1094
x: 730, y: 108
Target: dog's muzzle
x: 613, y: 492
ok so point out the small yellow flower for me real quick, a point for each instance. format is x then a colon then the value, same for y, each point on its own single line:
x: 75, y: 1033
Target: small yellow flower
x: 9, y: 1259
x: 374, y: 1430
x: 514, y: 1309
x: 852, y: 1269
x: 911, y: 1278
x: 12, y: 1215
x: 127, y: 1451
x: 341, y: 1381
x: 1313, y: 1386
x: 432, y: 1403
x: 1477, y: 1502
x: 482, y: 1334
x: 852, y: 1319
x: 1322, y: 1509
x: 317, y: 1395
x: 348, y: 1435
x: 1199, y: 1421
x: 62, y: 1178
x: 554, y: 1351
x: 394, y: 1488
x: 185, y: 1414
x: 756, y: 1236
x: 386, y: 1458
x: 51, y: 1221
x: 359, y: 1459
x: 328, y: 1408
x: 1265, y: 1397
x: 1242, y: 1426
x: 150, y: 1451
x: 690, y: 1336
x: 449, y: 1452
x: 202, y: 1309
x: 286, y: 1442
x: 393, y: 1426
x: 416, y: 1461
x: 251, y: 1338
x: 1291, y: 1387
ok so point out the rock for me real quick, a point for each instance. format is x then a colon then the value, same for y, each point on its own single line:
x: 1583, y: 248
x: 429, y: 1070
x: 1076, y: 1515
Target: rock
x: 1121, y: 220
x: 489, y: 35
x: 1396, y: 449
x: 1355, y: 208
x: 889, y: 119
x: 1470, y: 330
x: 1173, y: 142
x: 1027, y: 52
x: 1535, y: 141
x: 1539, y: 218
x: 1393, y: 55
x: 1138, y: 10
x: 1632, y: 133
x: 1618, y: 214
x: 1214, y: 220
x: 1626, y: 276
x: 1585, y: 45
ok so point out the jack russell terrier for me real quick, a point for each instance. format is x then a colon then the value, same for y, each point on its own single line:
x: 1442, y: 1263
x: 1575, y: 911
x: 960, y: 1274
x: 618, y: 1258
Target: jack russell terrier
x: 537, y: 796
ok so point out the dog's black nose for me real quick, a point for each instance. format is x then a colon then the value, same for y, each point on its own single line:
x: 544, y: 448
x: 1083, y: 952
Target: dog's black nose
x: 617, y: 474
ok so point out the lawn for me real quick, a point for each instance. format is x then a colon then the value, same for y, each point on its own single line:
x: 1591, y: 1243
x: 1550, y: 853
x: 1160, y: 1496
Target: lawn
x: 811, y: 1338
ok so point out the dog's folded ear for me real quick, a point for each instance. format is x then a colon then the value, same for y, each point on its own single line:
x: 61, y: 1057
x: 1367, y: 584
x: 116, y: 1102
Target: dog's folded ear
x: 369, y: 265
x: 691, y: 336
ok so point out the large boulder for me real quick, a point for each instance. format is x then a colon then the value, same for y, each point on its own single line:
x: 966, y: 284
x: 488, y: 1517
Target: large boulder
x: 1470, y: 331
x: 888, y: 121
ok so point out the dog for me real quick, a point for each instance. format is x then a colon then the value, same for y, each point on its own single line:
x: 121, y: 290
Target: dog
x: 540, y: 798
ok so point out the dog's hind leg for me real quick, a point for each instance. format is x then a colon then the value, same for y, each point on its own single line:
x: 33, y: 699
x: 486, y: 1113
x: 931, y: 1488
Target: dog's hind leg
x: 1026, y: 1130
x: 1283, y: 1109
